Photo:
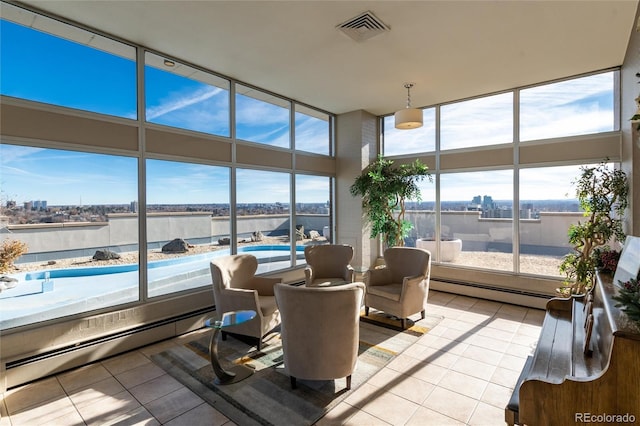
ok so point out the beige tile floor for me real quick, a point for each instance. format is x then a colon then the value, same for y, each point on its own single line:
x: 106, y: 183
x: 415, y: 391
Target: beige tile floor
x: 460, y: 373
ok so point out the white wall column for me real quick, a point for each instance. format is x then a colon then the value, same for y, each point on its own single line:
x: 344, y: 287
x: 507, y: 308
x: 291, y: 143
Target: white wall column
x: 630, y: 136
x: 356, y: 146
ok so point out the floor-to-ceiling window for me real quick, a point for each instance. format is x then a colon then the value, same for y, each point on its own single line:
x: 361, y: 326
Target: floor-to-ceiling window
x: 547, y: 208
x: 526, y: 145
x: 313, y: 209
x: 263, y: 210
x: 76, y: 212
x: 476, y: 208
x: 187, y: 225
x: 126, y: 200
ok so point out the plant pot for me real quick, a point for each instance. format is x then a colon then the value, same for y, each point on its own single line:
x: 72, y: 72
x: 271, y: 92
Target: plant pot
x: 449, y: 249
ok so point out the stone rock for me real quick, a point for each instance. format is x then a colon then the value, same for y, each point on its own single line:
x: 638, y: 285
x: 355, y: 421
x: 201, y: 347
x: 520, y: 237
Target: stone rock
x: 299, y: 232
x: 256, y: 236
x: 224, y: 241
x: 7, y: 282
x: 314, y: 235
x: 105, y: 255
x: 177, y: 245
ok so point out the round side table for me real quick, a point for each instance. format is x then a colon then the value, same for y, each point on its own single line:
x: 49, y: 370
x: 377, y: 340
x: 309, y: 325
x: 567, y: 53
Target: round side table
x: 237, y: 372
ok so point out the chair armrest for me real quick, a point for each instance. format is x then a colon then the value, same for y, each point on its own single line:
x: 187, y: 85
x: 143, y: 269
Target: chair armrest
x: 413, y: 279
x: 413, y: 286
x: 379, y: 276
x: 308, y: 275
x: 264, y: 285
x: 349, y: 274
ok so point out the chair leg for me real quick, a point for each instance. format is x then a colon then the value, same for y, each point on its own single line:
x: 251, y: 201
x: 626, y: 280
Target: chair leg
x: 404, y: 323
x: 224, y: 335
x: 422, y: 314
x: 294, y: 385
x: 259, y: 345
x: 366, y: 311
x: 349, y: 382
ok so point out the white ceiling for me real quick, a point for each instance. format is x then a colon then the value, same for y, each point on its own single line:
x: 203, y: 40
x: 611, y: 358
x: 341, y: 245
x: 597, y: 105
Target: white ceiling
x: 450, y: 49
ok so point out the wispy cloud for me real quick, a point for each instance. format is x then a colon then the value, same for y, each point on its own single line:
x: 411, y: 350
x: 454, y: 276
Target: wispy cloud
x: 422, y: 139
x: 312, y: 134
x: 10, y: 154
x: 257, y: 186
x: 183, y: 100
x: 312, y: 189
x: 465, y: 186
x: 567, y: 108
x: 253, y: 112
x: 66, y: 177
x: 171, y: 182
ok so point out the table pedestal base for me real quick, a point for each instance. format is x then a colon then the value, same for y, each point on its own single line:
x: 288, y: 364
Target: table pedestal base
x: 225, y: 376
x: 234, y: 375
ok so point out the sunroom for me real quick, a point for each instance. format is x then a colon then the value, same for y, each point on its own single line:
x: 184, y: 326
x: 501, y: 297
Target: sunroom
x: 239, y: 127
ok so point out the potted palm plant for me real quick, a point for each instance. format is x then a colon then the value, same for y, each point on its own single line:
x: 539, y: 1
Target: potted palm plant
x: 384, y: 190
x: 602, y: 193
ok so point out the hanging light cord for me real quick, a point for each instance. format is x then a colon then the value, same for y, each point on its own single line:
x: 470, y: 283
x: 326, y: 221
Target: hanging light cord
x: 408, y: 86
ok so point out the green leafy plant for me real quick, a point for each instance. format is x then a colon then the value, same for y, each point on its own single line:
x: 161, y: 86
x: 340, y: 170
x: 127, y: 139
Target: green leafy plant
x: 636, y: 117
x: 384, y: 190
x: 628, y: 299
x: 602, y: 193
x: 10, y: 250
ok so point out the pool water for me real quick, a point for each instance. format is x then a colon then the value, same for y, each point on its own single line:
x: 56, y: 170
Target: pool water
x: 50, y: 294
x: 118, y: 269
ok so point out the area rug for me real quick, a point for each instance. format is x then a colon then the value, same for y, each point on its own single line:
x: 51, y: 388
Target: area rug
x: 266, y: 397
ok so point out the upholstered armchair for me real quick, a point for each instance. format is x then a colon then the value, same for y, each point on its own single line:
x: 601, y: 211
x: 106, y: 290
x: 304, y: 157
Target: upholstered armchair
x: 320, y: 330
x: 401, y: 287
x: 235, y: 287
x: 328, y: 264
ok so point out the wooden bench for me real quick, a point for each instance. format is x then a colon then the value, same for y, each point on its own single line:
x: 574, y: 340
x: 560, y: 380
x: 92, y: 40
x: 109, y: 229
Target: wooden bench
x: 586, y: 363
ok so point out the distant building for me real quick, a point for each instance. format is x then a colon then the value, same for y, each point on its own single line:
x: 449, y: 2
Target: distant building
x: 501, y: 213
x: 475, y: 205
x: 39, y: 205
x: 487, y: 203
x: 526, y: 211
x: 133, y: 207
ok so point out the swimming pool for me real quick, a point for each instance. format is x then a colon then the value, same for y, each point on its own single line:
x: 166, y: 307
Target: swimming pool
x: 76, y: 290
x: 260, y: 251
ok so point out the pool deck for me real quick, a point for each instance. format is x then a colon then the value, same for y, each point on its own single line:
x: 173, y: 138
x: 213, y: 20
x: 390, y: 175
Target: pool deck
x: 74, y: 293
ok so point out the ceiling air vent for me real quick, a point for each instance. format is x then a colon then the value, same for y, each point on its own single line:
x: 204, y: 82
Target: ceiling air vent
x: 363, y: 27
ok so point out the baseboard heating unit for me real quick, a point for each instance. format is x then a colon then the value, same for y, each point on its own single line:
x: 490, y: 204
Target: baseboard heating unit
x: 24, y: 370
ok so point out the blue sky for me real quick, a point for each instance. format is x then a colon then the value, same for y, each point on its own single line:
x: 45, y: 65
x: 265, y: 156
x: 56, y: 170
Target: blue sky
x: 567, y: 108
x: 66, y: 177
x: 43, y: 68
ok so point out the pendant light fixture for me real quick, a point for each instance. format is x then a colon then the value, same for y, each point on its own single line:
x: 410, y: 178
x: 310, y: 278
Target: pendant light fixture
x: 408, y: 118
